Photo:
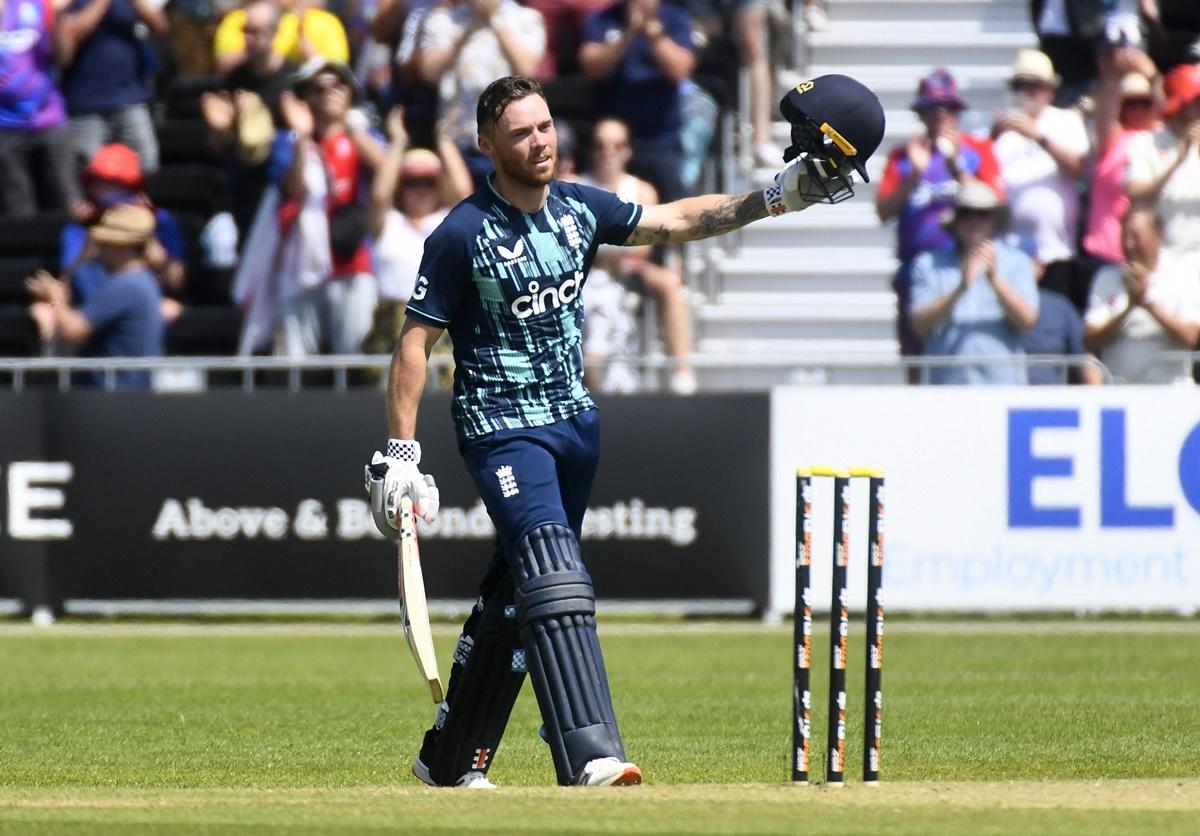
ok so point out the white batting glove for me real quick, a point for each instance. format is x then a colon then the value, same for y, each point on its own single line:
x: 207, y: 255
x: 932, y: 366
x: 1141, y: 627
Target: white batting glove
x: 390, y: 477
x: 795, y: 186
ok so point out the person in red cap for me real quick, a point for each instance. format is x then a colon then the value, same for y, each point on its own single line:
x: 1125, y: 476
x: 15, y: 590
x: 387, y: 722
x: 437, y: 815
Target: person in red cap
x: 920, y: 183
x: 1164, y: 169
x: 114, y: 177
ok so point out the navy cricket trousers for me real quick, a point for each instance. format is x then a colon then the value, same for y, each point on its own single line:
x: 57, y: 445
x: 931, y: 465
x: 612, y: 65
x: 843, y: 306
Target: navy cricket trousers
x: 535, y: 475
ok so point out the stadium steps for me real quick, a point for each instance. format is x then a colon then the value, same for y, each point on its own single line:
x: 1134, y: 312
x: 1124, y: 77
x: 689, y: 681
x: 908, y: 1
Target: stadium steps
x: 858, y: 47
x: 817, y: 283
x: 802, y: 269
x: 873, y: 12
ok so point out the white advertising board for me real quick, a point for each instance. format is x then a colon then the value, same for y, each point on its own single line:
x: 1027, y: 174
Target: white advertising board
x: 1004, y: 499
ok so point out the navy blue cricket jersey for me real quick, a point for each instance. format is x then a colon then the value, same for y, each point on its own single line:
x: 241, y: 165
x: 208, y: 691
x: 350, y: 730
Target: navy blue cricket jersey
x: 508, y: 285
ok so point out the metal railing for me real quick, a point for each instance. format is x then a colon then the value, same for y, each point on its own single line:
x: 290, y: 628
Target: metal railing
x: 342, y: 372
x: 1184, y: 362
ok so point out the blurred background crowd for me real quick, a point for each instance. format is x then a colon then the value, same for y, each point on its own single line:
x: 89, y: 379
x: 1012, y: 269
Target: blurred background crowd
x: 206, y: 177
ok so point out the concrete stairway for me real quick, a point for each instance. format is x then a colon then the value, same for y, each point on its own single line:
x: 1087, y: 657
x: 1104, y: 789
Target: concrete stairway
x: 817, y: 284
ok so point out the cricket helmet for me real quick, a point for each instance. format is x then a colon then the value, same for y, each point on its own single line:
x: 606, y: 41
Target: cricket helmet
x: 837, y: 121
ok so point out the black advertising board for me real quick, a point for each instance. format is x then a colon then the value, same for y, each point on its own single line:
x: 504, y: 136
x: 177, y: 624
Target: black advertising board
x: 259, y: 496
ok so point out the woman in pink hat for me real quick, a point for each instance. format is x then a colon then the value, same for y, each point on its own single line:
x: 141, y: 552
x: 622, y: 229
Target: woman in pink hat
x: 1126, y: 105
x: 1164, y: 169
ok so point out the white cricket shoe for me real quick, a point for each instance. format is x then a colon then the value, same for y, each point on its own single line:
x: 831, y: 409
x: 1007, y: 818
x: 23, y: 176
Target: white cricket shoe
x: 609, y: 772
x: 474, y: 781
x: 471, y: 781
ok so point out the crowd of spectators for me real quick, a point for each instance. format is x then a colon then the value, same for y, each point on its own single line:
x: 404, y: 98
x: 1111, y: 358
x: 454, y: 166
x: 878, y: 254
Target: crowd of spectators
x: 1072, y: 226
x: 294, y: 154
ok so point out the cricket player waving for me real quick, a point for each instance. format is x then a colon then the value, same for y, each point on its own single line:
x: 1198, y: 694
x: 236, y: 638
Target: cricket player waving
x: 504, y: 274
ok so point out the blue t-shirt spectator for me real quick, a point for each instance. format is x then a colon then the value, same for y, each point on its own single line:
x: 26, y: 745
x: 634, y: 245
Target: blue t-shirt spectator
x: 1058, y: 330
x: 637, y: 91
x: 124, y: 314
x: 110, y: 67
x: 977, y: 326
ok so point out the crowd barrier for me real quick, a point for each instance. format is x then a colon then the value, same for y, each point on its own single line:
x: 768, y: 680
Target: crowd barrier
x: 1003, y: 498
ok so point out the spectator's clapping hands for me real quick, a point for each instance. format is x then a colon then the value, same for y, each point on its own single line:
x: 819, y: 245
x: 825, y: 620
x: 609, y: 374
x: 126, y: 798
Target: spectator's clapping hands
x: 1137, y: 281
x: 1022, y: 123
x: 396, y: 132
x: 296, y: 114
x: 43, y: 287
x: 1190, y: 137
x: 218, y: 111
x: 919, y: 153
x: 641, y: 13
x: 980, y: 258
x: 946, y: 143
x: 484, y: 10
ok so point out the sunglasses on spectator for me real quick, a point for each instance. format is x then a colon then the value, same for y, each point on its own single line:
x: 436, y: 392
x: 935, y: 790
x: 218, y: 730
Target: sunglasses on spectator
x: 255, y: 30
x: 940, y: 107
x: 972, y: 214
x: 328, y: 84
x: 1137, y: 103
x: 1027, y: 85
x: 419, y: 181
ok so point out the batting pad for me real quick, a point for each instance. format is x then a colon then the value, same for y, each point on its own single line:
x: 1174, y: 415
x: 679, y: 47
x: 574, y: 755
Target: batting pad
x: 556, y: 610
x: 485, y: 679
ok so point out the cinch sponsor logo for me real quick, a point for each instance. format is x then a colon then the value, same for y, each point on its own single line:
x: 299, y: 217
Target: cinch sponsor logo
x: 1117, y: 510
x: 538, y: 300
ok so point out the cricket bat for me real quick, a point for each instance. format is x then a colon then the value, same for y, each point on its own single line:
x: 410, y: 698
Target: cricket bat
x: 414, y: 611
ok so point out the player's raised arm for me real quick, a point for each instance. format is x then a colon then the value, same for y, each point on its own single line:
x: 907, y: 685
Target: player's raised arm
x: 837, y: 123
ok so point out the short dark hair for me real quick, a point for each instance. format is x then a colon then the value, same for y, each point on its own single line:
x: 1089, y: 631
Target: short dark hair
x: 500, y: 94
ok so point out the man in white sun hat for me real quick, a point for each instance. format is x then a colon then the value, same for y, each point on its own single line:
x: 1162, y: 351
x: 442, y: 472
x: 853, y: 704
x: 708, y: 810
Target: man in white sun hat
x: 1043, y: 152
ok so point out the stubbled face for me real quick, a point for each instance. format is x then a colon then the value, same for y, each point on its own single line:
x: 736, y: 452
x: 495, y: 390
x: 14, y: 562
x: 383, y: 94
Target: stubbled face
x: 610, y: 148
x: 1140, y: 240
x: 523, y: 144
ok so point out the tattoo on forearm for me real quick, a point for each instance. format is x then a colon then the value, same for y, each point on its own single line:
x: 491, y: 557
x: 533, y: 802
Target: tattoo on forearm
x: 642, y: 236
x: 731, y: 213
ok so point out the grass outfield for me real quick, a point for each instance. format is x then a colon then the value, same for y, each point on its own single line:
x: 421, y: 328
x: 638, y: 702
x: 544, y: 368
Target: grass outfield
x: 1058, y: 727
